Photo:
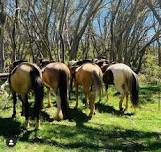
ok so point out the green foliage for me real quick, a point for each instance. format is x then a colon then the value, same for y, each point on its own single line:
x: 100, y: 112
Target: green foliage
x: 150, y: 70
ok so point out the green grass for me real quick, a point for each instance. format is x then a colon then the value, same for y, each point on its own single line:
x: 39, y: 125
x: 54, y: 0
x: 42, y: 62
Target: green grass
x: 136, y: 130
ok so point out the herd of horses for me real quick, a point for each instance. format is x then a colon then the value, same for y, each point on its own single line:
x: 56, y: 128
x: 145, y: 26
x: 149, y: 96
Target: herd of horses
x: 59, y: 78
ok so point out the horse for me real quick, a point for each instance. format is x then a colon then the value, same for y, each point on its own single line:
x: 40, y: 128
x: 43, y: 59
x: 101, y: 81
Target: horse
x: 126, y: 82
x: 42, y: 63
x: 72, y: 65
x: 89, y: 76
x: 23, y: 78
x: 104, y: 66
x: 57, y: 76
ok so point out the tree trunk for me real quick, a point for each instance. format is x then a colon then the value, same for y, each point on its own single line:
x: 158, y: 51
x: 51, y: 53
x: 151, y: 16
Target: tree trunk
x: 1, y: 50
x: 2, y: 22
x: 159, y: 52
x: 15, y: 25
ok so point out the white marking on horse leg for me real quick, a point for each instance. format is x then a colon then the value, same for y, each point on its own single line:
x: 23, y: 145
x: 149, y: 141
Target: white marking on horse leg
x: 59, y: 115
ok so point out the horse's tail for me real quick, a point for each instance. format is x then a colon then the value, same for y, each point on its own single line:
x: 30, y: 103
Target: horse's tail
x: 37, y: 86
x: 97, y: 81
x: 134, y: 90
x: 63, y: 82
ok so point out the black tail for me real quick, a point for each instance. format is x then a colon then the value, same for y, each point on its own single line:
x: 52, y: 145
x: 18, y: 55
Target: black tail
x: 37, y: 86
x: 134, y: 90
x: 108, y: 78
x: 63, y: 81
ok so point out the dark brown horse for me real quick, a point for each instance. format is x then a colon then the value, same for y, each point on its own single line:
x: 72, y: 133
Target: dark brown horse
x: 22, y: 79
x: 89, y: 76
x: 56, y: 76
x: 125, y: 81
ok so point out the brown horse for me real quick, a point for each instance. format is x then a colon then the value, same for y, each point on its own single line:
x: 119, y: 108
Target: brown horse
x: 72, y: 65
x: 23, y: 78
x: 42, y: 63
x: 89, y: 76
x: 56, y: 76
x: 125, y: 81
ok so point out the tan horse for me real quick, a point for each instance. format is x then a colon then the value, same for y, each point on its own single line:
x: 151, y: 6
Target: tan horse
x: 23, y: 78
x: 89, y: 76
x: 56, y: 76
x: 125, y: 81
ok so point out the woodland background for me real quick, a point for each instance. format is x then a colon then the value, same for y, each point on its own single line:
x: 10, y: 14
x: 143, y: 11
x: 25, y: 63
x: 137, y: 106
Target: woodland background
x: 125, y: 31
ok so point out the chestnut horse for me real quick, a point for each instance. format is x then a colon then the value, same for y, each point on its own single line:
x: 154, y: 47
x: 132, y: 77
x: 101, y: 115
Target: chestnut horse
x: 125, y: 81
x: 89, y: 76
x: 56, y: 76
x: 72, y: 65
x: 24, y: 77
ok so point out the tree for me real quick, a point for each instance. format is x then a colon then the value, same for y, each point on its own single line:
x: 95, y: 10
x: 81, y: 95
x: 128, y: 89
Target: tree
x: 2, y: 23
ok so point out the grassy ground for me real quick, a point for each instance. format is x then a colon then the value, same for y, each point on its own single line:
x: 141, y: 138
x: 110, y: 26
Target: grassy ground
x: 138, y: 130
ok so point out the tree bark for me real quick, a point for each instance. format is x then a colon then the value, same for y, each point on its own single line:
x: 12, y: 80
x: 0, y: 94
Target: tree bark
x: 2, y: 22
x: 15, y: 25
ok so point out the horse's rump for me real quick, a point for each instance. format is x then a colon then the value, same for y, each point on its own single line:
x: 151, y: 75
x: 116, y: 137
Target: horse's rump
x: 56, y: 76
x: 88, y: 75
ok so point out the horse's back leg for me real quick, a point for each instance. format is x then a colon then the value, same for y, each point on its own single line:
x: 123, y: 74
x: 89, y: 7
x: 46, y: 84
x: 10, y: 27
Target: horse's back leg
x: 86, y: 93
x: 23, y: 108
x: 76, y: 105
x: 91, y: 97
x: 121, y: 101
x: 126, y: 107
x: 59, y: 114
x: 49, y: 97
x: 70, y: 88
x: 39, y: 93
x: 14, y: 104
x: 26, y: 110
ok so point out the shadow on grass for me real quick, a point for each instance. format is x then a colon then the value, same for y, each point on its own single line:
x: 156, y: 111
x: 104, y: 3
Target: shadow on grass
x: 79, y: 117
x: 110, y: 109
x: 97, y: 137
x: 89, y: 138
x: 9, y: 127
